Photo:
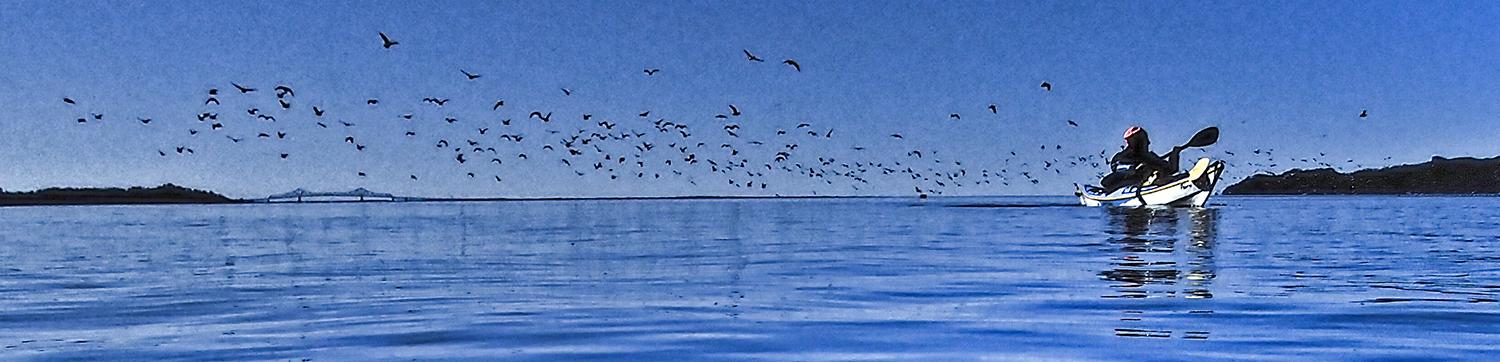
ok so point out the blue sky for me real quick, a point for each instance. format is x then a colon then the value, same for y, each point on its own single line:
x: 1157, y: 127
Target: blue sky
x: 1289, y: 76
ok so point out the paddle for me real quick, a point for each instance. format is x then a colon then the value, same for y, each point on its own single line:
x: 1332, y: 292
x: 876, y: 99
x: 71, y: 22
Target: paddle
x: 1203, y: 138
x: 1207, y: 136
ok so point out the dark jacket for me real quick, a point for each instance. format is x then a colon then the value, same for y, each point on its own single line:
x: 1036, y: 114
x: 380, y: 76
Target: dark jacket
x: 1137, y: 152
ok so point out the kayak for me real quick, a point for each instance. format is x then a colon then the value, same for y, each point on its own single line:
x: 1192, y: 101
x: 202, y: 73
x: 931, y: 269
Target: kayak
x: 1186, y: 189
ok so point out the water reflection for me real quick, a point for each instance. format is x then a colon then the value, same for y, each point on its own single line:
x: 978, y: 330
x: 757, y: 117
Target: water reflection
x: 1156, y: 258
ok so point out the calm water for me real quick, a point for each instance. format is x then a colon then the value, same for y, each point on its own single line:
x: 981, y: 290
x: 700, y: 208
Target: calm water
x: 851, y: 279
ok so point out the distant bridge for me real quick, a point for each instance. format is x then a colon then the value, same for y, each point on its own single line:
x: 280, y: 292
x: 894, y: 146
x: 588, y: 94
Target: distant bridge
x: 355, y: 195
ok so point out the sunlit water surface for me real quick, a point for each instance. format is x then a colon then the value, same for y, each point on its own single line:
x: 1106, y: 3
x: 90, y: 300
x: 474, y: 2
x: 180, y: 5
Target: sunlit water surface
x: 832, y: 279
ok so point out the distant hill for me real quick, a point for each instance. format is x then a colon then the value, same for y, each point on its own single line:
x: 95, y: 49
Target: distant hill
x: 1439, y: 176
x: 164, y: 194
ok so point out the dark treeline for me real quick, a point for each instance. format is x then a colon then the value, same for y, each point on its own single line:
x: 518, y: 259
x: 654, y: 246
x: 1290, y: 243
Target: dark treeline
x: 1439, y: 176
x: 164, y: 194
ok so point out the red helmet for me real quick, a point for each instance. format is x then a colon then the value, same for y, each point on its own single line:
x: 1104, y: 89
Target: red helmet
x: 1132, y: 131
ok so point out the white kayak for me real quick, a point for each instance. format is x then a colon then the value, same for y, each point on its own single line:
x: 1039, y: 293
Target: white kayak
x: 1190, y: 189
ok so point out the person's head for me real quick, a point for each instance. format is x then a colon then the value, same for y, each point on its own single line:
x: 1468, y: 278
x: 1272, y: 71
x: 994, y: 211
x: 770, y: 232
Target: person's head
x: 1136, y: 137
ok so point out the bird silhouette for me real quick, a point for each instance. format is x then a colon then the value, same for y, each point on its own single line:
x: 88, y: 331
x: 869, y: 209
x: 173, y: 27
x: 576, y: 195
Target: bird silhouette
x: 372, y: 101
x: 1047, y: 86
x: 1364, y: 113
x: 471, y: 76
x: 1072, y: 124
x: 317, y: 111
x: 544, y: 118
x: 243, y: 89
x: 567, y: 92
x: 498, y: 104
x: 792, y: 63
x: 751, y: 57
x: 734, y: 111
x: 386, y: 41
x: 68, y: 100
x: 954, y: 116
x: 994, y: 109
x: 282, y: 91
x: 652, y: 71
x: 144, y: 120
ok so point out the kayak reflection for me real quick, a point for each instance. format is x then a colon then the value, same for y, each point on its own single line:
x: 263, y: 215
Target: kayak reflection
x: 1157, y: 259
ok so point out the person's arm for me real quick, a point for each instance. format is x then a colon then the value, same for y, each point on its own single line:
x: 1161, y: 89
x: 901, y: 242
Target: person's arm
x: 1152, y: 159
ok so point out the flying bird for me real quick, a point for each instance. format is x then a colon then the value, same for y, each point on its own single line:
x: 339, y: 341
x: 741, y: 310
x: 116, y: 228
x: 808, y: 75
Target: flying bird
x: 751, y: 57
x: 1071, y: 123
x: 734, y: 111
x: 993, y: 109
x: 1047, y: 86
x: 567, y: 92
x: 317, y: 111
x: 282, y: 91
x: 68, y: 100
x: 1364, y: 113
x: 652, y: 71
x: 498, y: 104
x: 386, y: 40
x: 242, y: 89
x: 471, y: 76
x: 792, y: 63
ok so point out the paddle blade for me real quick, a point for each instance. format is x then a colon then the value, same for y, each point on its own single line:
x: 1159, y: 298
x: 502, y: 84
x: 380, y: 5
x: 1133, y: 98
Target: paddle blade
x: 1205, y: 137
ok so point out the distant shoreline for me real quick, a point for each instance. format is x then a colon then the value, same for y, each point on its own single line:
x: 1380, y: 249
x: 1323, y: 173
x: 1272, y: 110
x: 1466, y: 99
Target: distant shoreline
x: 1439, y: 176
x: 164, y: 194
x: 170, y: 194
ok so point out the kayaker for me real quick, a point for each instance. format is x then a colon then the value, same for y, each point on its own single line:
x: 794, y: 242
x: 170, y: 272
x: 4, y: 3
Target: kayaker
x: 1134, y: 164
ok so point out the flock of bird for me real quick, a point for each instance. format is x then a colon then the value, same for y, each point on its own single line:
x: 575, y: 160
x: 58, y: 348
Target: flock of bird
x: 642, y: 147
